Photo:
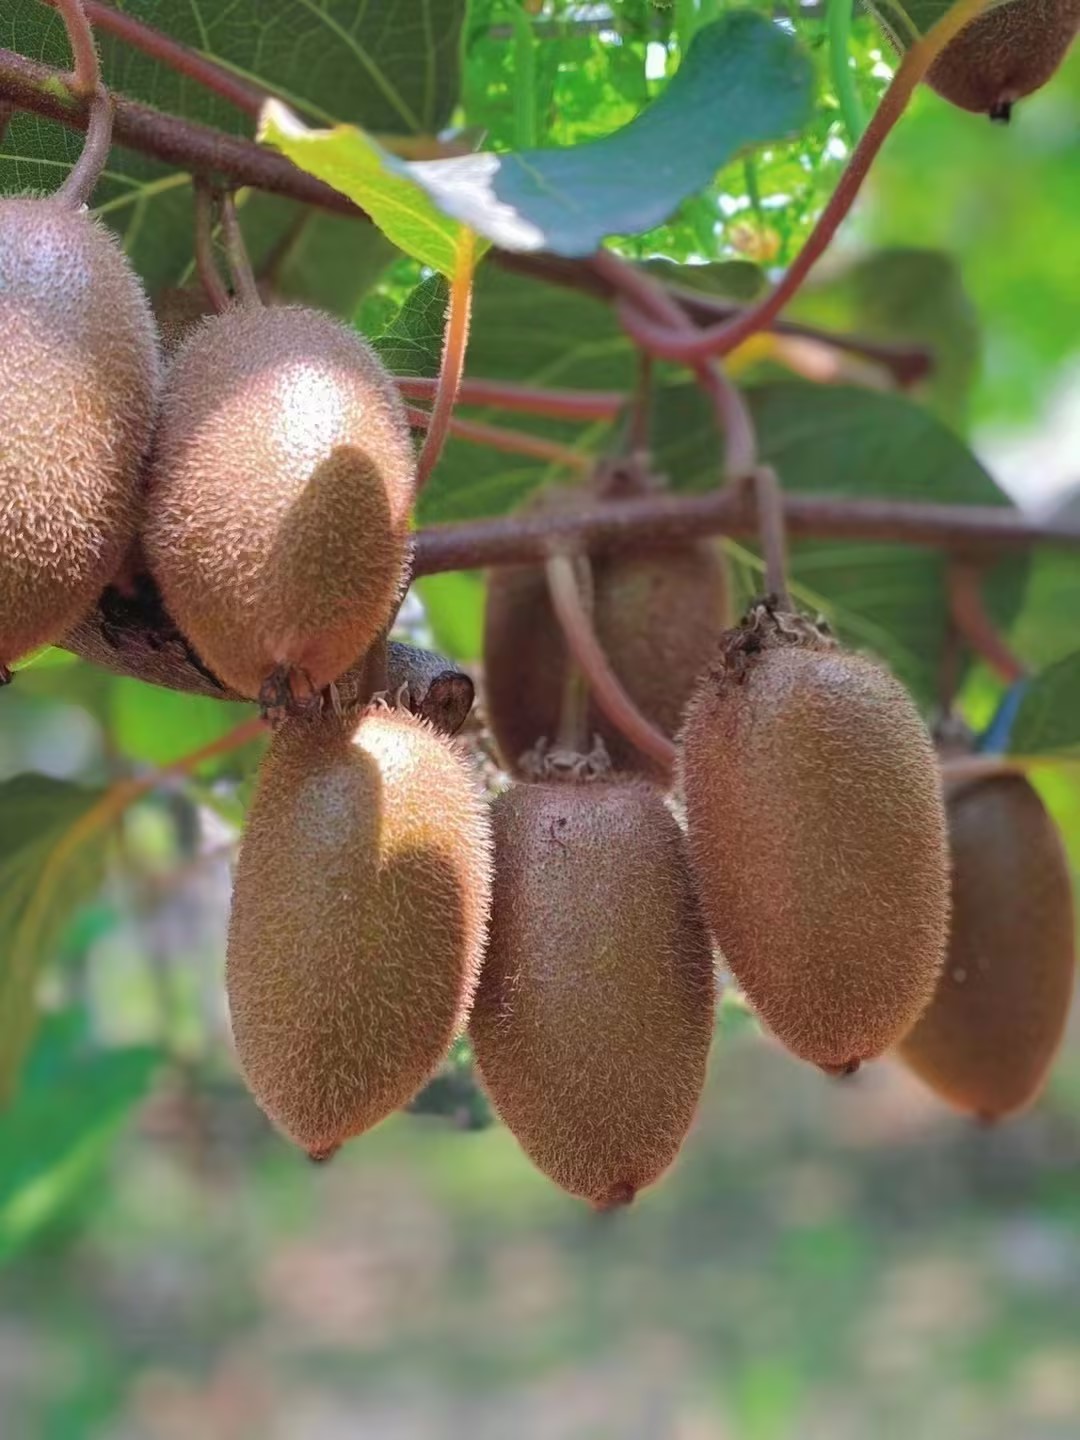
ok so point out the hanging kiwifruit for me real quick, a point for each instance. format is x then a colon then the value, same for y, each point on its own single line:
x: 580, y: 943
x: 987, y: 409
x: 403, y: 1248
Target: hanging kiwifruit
x: 592, y: 1023
x: 998, y: 1016
x: 358, y: 920
x: 279, y: 497
x: 817, y: 834
x: 1007, y: 52
x: 657, y: 617
x: 78, y: 392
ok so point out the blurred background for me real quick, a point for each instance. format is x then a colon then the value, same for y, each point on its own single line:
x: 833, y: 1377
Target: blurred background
x: 827, y: 1260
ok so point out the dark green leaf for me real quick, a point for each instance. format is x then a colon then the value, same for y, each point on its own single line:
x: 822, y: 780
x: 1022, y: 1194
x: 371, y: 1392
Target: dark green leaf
x: 1048, y: 721
x: 154, y: 726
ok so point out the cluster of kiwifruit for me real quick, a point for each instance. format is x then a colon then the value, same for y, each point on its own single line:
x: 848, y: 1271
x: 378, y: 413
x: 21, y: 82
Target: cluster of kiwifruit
x: 1008, y: 51
x: 380, y: 904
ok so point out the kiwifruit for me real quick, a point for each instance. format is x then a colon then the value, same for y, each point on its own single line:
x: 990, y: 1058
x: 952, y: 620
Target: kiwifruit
x: 592, y: 1023
x: 358, y: 920
x: 817, y: 835
x: 178, y: 310
x: 1007, y: 52
x: 279, y: 497
x: 657, y: 617
x: 78, y: 392
x: 998, y: 1016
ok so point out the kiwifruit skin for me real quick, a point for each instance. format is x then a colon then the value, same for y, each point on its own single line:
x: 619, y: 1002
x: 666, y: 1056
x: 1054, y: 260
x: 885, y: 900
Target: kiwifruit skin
x: 281, y: 484
x: 79, y: 385
x: 1004, y: 54
x: 358, y: 920
x: 989, y: 1037
x: 178, y: 309
x: 592, y: 1022
x: 817, y: 834
x: 657, y: 617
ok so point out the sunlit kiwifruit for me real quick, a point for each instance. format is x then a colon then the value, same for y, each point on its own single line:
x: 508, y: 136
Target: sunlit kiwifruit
x: 592, y: 1022
x: 1008, y: 51
x: 657, y: 617
x: 817, y: 833
x: 78, y: 392
x: 990, y: 1035
x: 358, y: 920
x: 279, y: 497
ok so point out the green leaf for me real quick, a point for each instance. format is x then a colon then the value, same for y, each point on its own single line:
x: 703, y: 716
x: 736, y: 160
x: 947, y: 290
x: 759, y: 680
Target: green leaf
x: 351, y: 161
x: 47, y: 868
x: 59, y: 1133
x: 744, y: 81
x: 1048, y: 721
x: 454, y: 604
x: 154, y: 725
x: 843, y: 441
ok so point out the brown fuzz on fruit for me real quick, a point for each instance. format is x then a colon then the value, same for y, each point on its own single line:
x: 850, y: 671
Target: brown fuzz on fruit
x: 358, y: 921
x: 1004, y: 54
x: 277, y: 512
x: 592, y: 1023
x: 178, y: 309
x: 988, y: 1040
x: 658, y: 618
x: 79, y: 383
x: 817, y: 835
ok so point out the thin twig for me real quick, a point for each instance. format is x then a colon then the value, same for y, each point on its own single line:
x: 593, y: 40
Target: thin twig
x: 525, y: 399
x: 514, y: 442
x: 455, y: 347
x: 205, y: 263
x: 86, y: 68
x: 243, y: 277
x: 970, y: 616
x: 605, y: 686
x: 86, y: 172
x: 769, y: 504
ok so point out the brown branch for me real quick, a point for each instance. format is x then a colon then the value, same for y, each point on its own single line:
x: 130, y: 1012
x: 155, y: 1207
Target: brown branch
x: 969, y: 615
x: 659, y: 520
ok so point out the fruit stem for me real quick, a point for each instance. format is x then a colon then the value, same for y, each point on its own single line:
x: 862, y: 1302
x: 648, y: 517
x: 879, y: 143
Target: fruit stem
x: 668, y: 343
x: 603, y: 683
x: 573, y: 732
x: 243, y: 277
x: 641, y: 298
x: 525, y: 399
x: 769, y: 503
x: 455, y: 347
x: 87, y: 71
x: 79, y: 185
x: 515, y: 442
x: 971, y: 618
x: 212, y: 283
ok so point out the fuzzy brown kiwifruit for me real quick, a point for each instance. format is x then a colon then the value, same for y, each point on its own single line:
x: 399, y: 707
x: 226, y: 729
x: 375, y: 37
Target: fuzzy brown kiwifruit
x: 658, y: 618
x: 178, y: 310
x: 817, y: 834
x: 280, y: 489
x: 592, y: 1023
x: 1005, y: 53
x: 990, y: 1035
x: 358, y: 920
x: 79, y: 382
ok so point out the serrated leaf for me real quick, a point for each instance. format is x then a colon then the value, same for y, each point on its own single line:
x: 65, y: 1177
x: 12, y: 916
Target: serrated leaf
x: 59, y: 1132
x: 48, y: 865
x: 1048, y: 720
x: 743, y: 81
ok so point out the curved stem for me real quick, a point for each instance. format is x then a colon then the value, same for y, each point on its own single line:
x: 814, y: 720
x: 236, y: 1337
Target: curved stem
x: 838, y: 25
x: 87, y: 70
x: 637, y: 438
x: 243, y: 277
x: 86, y: 172
x: 603, y: 683
x: 455, y: 346
x: 525, y: 399
x: 671, y: 343
x: 769, y: 503
x: 205, y: 263
x: 970, y: 616
x: 514, y: 442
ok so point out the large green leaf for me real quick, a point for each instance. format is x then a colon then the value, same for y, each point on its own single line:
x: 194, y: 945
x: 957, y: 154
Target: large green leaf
x: 46, y: 869
x: 744, y: 81
x: 58, y: 1133
x: 392, y: 67
x: 843, y: 441
x: 1048, y: 720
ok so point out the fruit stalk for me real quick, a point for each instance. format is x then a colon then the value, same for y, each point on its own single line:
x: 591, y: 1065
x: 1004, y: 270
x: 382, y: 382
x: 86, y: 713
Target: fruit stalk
x: 969, y: 615
x: 79, y: 185
x: 455, y: 346
x: 87, y: 71
x: 204, y: 247
x: 243, y: 277
x: 515, y: 442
